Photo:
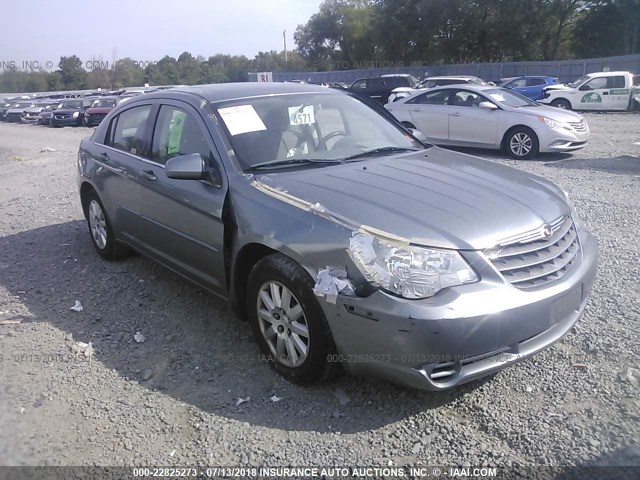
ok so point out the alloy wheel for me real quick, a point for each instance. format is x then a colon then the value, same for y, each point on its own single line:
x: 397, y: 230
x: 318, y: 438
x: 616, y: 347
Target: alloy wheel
x: 97, y: 224
x: 283, y: 324
x: 520, y: 144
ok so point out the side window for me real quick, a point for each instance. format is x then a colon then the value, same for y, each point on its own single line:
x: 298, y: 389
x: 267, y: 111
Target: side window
x: 464, y: 98
x: 520, y: 83
x: 533, y: 82
x: 178, y: 133
x: 596, y: 83
x: 441, y: 97
x: 360, y: 84
x: 128, y: 129
x: 615, y: 82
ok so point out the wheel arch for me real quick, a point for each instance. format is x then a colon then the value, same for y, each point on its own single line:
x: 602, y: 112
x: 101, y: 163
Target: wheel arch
x: 503, y: 143
x: 85, y: 189
x: 562, y: 99
x: 245, y: 259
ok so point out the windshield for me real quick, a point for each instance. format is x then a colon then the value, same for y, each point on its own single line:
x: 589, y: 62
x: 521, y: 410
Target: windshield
x: 323, y: 127
x: 75, y: 104
x: 509, y: 98
x: 579, y: 81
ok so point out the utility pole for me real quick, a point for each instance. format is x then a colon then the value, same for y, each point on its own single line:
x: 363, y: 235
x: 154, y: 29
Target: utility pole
x: 284, y: 37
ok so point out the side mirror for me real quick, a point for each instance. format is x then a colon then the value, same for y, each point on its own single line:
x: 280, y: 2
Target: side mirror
x: 186, y: 167
x: 584, y: 88
x: 418, y: 134
x: 488, y: 106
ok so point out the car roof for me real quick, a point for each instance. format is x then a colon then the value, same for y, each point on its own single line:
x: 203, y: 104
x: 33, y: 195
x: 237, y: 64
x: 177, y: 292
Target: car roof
x: 220, y: 92
x: 449, y: 77
x: 466, y: 86
x: 606, y: 74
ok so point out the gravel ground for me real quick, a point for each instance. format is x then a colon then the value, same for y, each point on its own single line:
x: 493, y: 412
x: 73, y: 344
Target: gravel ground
x: 173, y: 399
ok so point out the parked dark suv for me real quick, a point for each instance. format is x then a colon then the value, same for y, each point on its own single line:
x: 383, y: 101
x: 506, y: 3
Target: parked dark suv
x: 380, y: 88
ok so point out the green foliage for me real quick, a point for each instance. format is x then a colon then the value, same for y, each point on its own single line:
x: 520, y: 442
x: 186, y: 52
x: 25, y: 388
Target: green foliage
x: 345, y: 33
x: 351, y: 34
x: 609, y: 27
x: 126, y: 72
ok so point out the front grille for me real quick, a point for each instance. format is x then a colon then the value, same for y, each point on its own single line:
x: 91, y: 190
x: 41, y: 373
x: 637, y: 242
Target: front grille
x: 61, y: 117
x: 533, y: 260
x: 580, y: 126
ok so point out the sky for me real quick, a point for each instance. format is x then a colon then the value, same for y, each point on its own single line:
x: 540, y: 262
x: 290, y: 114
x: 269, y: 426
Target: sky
x: 146, y: 30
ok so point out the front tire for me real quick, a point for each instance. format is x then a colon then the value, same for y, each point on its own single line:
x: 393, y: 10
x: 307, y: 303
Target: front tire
x: 562, y: 104
x: 100, y: 229
x: 287, y: 320
x: 522, y: 143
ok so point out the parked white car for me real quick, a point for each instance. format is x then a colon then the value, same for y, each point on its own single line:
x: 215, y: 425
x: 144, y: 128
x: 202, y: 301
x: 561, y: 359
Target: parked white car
x: 491, y: 117
x: 431, y: 82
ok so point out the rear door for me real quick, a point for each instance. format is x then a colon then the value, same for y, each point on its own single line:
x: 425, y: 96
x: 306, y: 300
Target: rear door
x: 120, y: 159
x: 619, y: 92
x: 430, y: 114
x: 182, y: 219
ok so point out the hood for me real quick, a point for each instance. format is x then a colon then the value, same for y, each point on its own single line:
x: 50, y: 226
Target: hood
x: 95, y: 110
x: 403, y: 90
x: 435, y: 197
x: 33, y: 109
x: 557, y: 87
x: 557, y: 114
x: 58, y: 111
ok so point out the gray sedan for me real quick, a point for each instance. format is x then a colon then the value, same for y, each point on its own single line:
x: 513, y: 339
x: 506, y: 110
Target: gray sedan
x: 343, y: 240
x: 489, y: 117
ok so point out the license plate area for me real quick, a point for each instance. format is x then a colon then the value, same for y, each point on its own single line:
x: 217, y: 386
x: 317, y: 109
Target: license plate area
x: 565, y: 305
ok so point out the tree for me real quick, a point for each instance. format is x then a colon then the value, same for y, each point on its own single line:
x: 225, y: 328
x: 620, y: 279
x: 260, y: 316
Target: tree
x: 73, y: 76
x: 608, y: 27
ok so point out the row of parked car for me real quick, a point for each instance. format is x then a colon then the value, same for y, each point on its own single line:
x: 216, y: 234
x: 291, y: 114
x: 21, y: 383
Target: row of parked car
x: 392, y: 87
x: 68, y: 109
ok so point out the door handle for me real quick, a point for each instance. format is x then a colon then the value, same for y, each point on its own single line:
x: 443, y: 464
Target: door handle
x: 456, y: 114
x: 148, y: 174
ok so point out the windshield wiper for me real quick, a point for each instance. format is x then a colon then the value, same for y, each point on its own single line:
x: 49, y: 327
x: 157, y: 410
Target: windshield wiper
x: 289, y: 162
x: 378, y: 151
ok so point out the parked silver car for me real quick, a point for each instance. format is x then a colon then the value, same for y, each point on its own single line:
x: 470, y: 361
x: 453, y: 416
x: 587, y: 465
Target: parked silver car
x: 490, y: 117
x: 341, y: 238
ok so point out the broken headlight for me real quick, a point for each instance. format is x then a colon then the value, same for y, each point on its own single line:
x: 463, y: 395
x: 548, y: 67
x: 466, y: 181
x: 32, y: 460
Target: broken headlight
x: 408, y: 271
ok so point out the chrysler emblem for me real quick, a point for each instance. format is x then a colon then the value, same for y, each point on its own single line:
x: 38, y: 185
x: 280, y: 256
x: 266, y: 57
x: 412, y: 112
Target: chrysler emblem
x: 546, y: 231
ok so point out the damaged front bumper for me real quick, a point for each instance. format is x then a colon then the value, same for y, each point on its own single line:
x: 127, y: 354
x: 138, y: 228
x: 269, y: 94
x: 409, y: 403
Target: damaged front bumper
x: 460, y: 334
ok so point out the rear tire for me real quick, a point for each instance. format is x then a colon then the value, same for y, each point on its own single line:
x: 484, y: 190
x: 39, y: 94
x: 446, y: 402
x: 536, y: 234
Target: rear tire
x: 100, y: 229
x: 521, y: 143
x: 287, y: 320
x: 561, y: 103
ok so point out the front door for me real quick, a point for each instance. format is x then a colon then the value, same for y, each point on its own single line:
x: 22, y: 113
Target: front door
x: 468, y: 123
x: 182, y: 219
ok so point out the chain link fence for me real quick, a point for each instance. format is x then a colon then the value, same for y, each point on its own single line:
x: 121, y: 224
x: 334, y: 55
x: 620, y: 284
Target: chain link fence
x: 565, y: 70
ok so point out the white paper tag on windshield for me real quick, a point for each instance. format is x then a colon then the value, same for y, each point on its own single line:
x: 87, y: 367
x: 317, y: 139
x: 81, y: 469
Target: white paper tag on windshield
x: 497, y: 97
x: 241, y: 119
x: 302, y: 115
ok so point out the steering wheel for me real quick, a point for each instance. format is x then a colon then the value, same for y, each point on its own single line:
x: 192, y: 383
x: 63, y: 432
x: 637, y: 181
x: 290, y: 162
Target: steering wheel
x: 329, y: 136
